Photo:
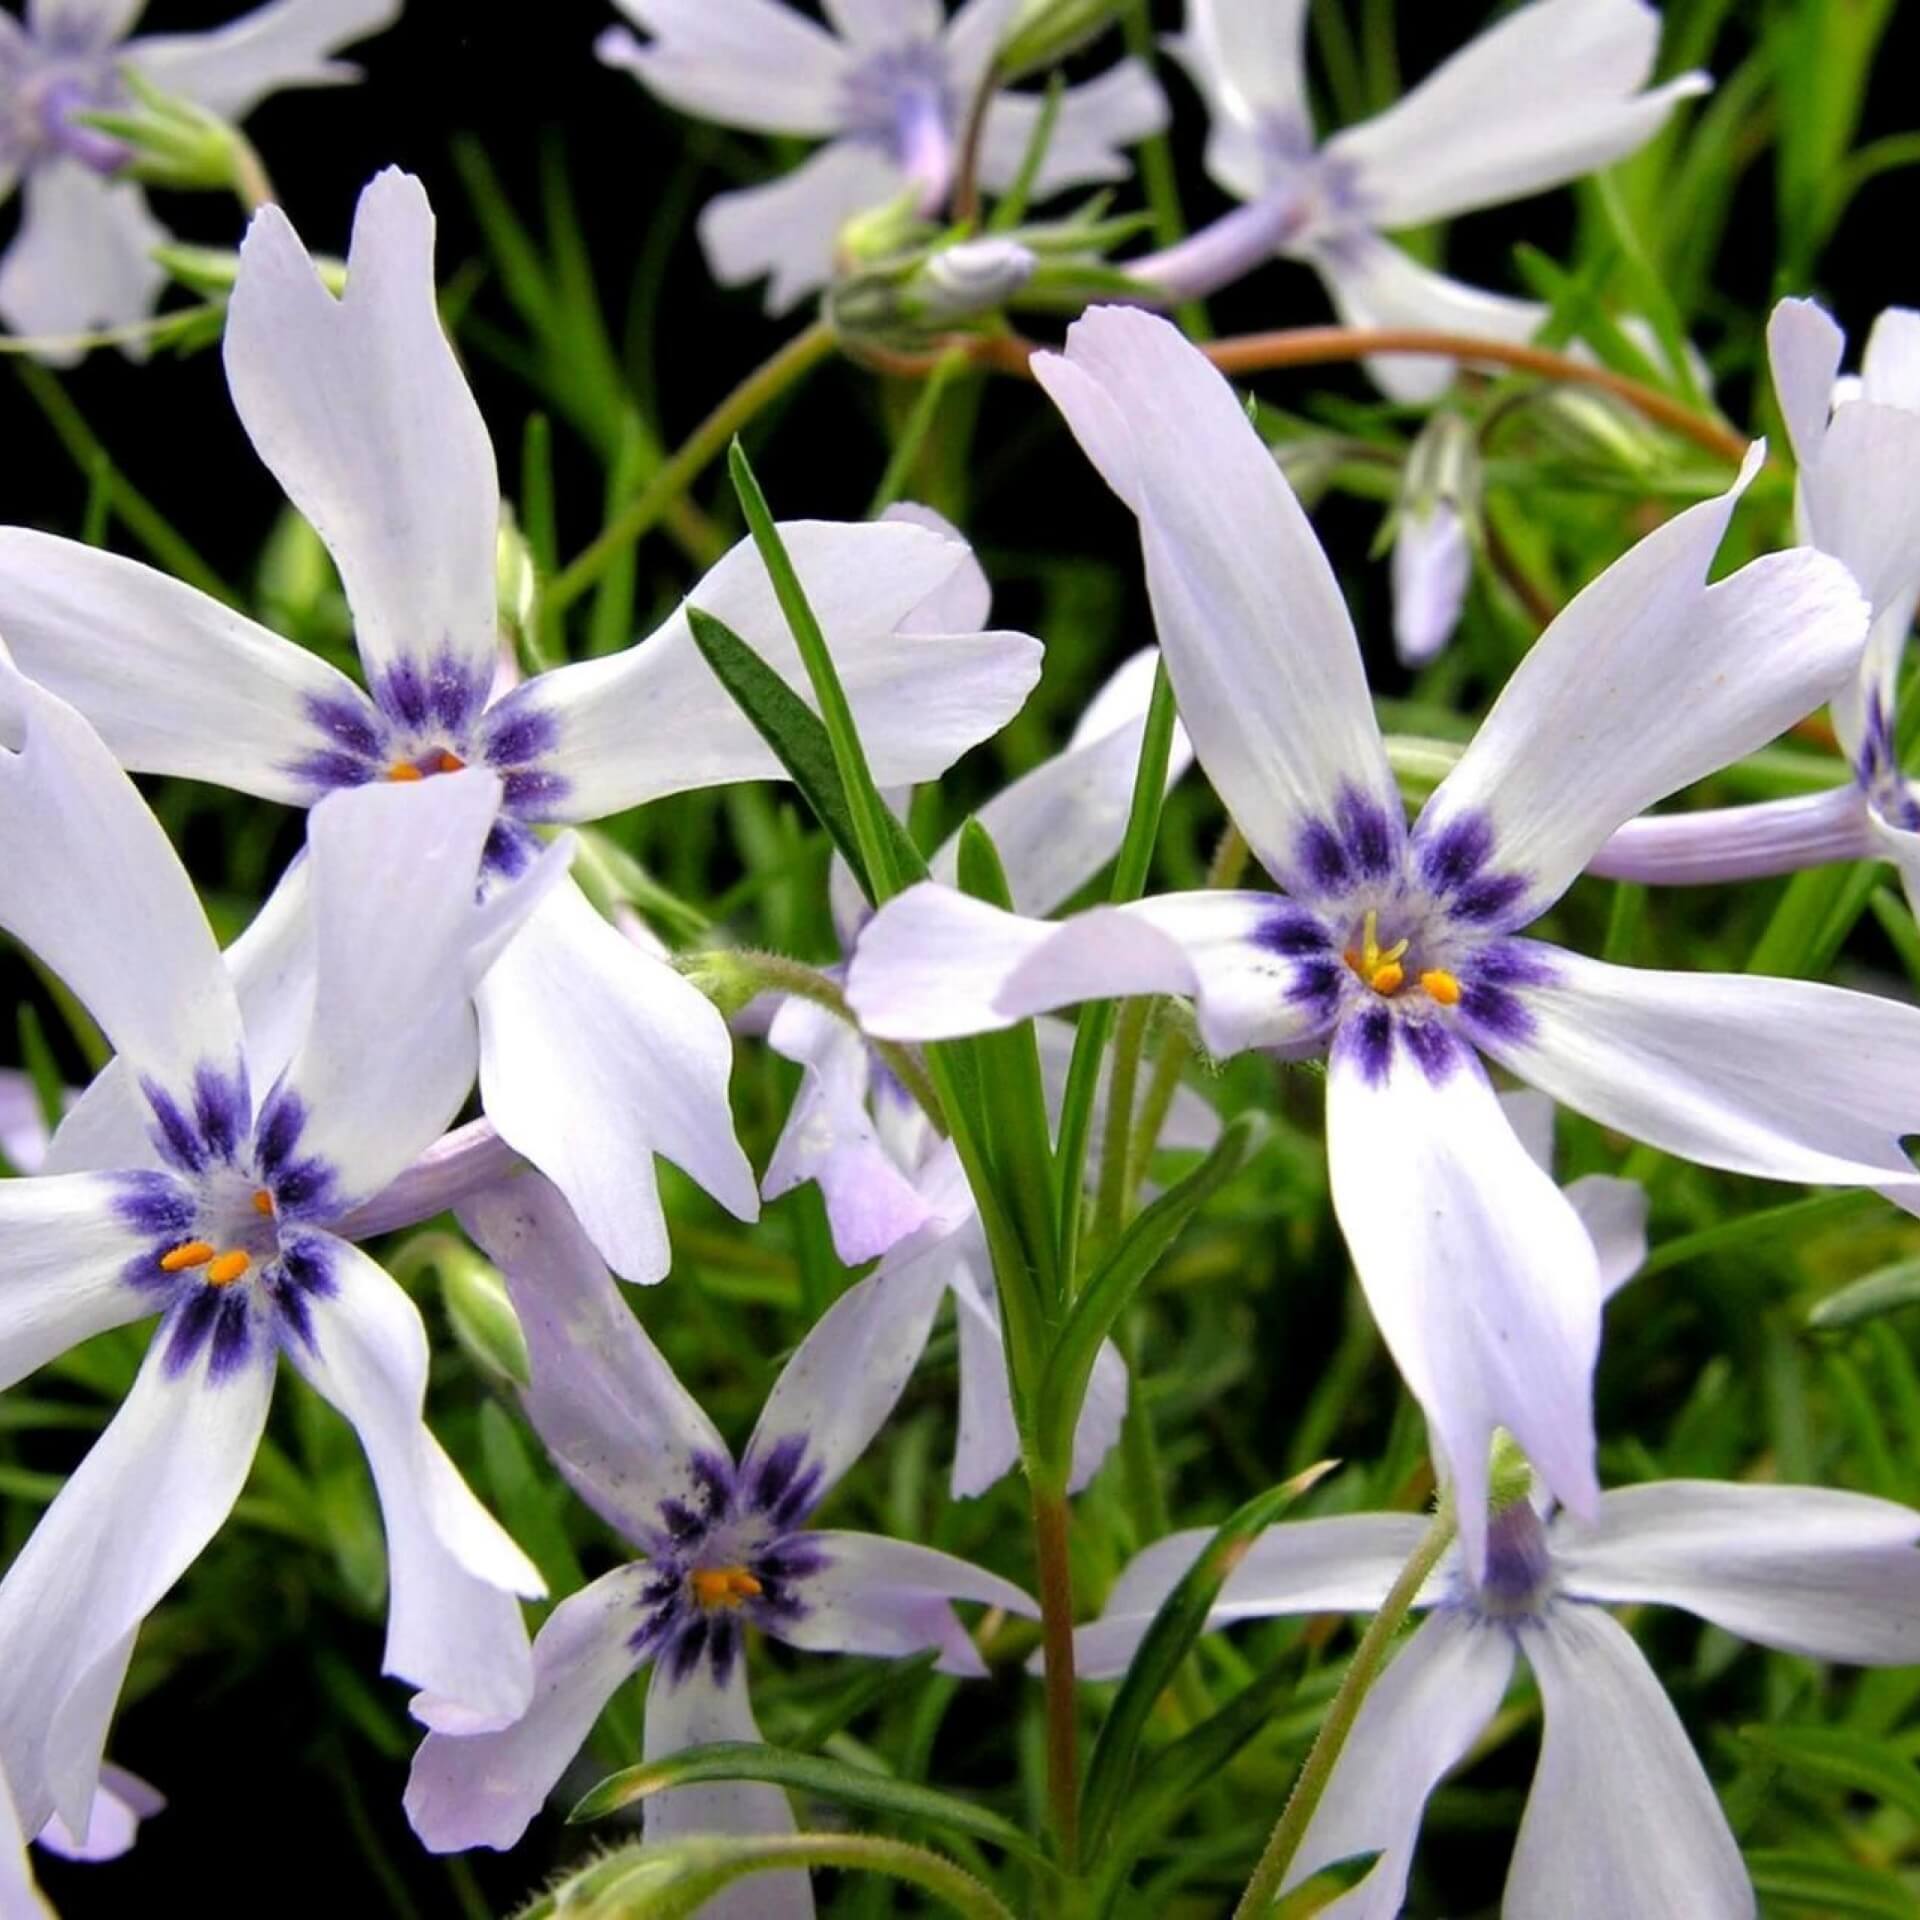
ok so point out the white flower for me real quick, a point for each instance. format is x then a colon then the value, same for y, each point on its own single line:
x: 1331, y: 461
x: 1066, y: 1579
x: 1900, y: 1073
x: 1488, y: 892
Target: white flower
x: 887, y: 84
x: 83, y: 257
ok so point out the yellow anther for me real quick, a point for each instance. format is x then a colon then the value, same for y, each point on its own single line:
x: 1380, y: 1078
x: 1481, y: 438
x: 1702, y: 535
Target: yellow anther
x: 228, y: 1268
x: 723, y: 1586
x: 262, y: 1200
x: 1442, y: 986
x: 1387, y: 978
x: 450, y: 762
x: 190, y: 1253
x: 404, y: 770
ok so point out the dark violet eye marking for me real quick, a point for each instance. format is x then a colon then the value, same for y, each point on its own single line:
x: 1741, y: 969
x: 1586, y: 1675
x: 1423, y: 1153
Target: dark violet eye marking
x: 153, y: 1203
x: 1367, y: 1040
x: 509, y: 851
x: 518, y: 730
x: 1290, y: 931
x: 348, y: 725
x: 1323, y: 858
x: 1452, y: 855
x: 1367, y: 832
x: 221, y: 1109
x: 1490, y: 899
x: 532, y: 793
x: 1315, y: 983
x: 1432, y: 1047
x: 331, y: 771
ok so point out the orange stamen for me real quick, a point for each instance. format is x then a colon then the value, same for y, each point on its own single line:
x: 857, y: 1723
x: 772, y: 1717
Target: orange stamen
x: 450, y: 762
x: 190, y: 1253
x: 228, y: 1268
x: 1441, y: 986
x: 262, y: 1200
x: 723, y: 1586
x: 404, y: 770
x: 1388, y: 978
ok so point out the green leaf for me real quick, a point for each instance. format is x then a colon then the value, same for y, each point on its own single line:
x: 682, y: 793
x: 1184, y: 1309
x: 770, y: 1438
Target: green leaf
x: 1844, y: 1760
x: 43, y: 1070
x: 1176, y: 1626
x: 1324, y: 1888
x: 1814, y: 1884
x: 799, y: 741
x: 804, y: 1773
x: 1138, y: 1251
x: 1885, y: 1290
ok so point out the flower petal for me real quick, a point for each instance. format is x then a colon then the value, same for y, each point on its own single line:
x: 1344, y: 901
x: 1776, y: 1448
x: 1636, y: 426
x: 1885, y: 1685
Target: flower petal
x: 82, y: 259
x: 91, y: 884
x: 1804, y: 346
x: 1344, y: 1564
x: 460, y: 1164
x: 892, y: 1598
x: 1621, y: 1818
x: 627, y: 1435
x: 1256, y: 635
x: 132, y: 1517
x: 453, y: 1625
x: 286, y: 44
x: 23, y: 1128
x: 1096, y: 122
x: 1786, y: 1079
x: 830, y: 1137
x: 1648, y: 680
x: 1549, y: 93
x: 1248, y: 59
x: 654, y: 720
x: 1832, y: 1575
x: 751, y: 63
x: 594, y: 1057
x: 121, y: 1802
x: 361, y: 412
x: 1480, y: 1276
x: 695, y: 1711
x: 173, y: 681
x: 1890, y: 367
x: 20, y: 1899
x: 484, y: 1789
x: 1614, y: 1213
x: 885, y: 23
x: 1416, y: 1724
x: 1192, y: 1121
x: 1432, y: 563
x: 1856, y: 501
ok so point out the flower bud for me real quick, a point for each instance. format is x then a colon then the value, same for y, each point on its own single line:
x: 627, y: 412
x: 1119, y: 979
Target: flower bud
x: 1433, y: 538
x: 170, y: 142
x: 515, y: 579
x: 1045, y: 32
x: 481, y: 1314
x: 730, y: 980
x: 973, y: 277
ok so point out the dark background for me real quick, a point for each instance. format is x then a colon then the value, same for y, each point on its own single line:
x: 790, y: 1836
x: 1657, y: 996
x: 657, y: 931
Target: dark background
x: 278, y: 1803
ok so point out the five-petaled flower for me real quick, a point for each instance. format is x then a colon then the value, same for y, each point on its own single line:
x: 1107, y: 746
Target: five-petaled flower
x: 83, y: 257
x: 249, y: 1138
x: 595, y: 1054
x: 726, y: 1546
x: 1622, y: 1819
x: 1397, y: 952
x: 889, y: 89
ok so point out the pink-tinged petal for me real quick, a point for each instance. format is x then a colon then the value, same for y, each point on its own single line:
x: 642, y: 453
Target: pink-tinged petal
x: 1248, y: 59
x: 173, y: 681
x: 1649, y: 680
x: 398, y: 946
x: 1256, y: 635
x: 1096, y: 123
x: 1621, y: 1819
x: 1059, y: 824
x: 624, y: 1431
x: 1890, y: 367
x: 359, y: 408
x: 696, y: 1711
x: 468, y: 1161
x: 1804, y: 346
x: 1341, y: 1565
x: 23, y: 1127
x: 1549, y: 93
x: 753, y: 64
x: 593, y: 1058
x: 287, y: 44
x: 90, y: 883
x: 654, y: 720
x: 484, y: 1789
x: 892, y: 1598
x: 1786, y: 1079
x: 132, y: 1517
x: 830, y: 1137
x: 1418, y: 1722
x: 78, y: 1248
x: 1480, y: 1276
x: 120, y: 1803
x: 847, y: 1375
x: 20, y: 1898
x: 787, y: 232
x: 1812, y: 1570
x: 1432, y: 563
x: 81, y: 259
x: 453, y: 1624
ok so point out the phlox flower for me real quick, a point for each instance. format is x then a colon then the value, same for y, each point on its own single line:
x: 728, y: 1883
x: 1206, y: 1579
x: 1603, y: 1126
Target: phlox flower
x: 594, y: 1054
x: 1621, y: 1819
x: 219, y: 1218
x: 1857, y: 441
x: 1397, y: 953
x: 885, y: 1174
x: 1546, y: 94
x: 725, y: 1546
x: 83, y: 256
x: 887, y: 84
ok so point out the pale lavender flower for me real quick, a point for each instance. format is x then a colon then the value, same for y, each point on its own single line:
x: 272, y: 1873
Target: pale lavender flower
x: 1622, y: 1820
x: 360, y: 409
x: 724, y: 1546
x: 83, y: 256
x: 1432, y: 563
x: 218, y: 1217
x: 887, y: 84
x: 1550, y: 92
x: 1398, y: 953
x: 1857, y: 442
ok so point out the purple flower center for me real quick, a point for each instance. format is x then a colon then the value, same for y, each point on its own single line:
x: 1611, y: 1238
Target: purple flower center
x: 900, y: 100
x: 39, y: 124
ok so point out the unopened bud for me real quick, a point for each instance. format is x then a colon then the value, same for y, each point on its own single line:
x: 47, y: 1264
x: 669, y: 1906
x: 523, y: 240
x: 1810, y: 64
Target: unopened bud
x: 480, y: 1311
x: 515, y: 578
x: 1045, y: 32
x: 1509, y: 1473
x: 1433, y: 537
x: 170, y: 142
x: 729, y: 980
x: 973, y: 277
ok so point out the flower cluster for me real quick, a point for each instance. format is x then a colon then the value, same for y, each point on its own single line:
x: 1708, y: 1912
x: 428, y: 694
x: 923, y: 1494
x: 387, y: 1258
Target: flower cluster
x: 466, y: 995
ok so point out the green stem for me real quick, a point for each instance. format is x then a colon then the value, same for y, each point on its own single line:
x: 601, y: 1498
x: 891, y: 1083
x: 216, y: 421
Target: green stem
x: 919, y: 423
x: 1050, y: 1523
x: 1270, y: 1875
x: 1112, y: 1194
x: 704, y: 445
